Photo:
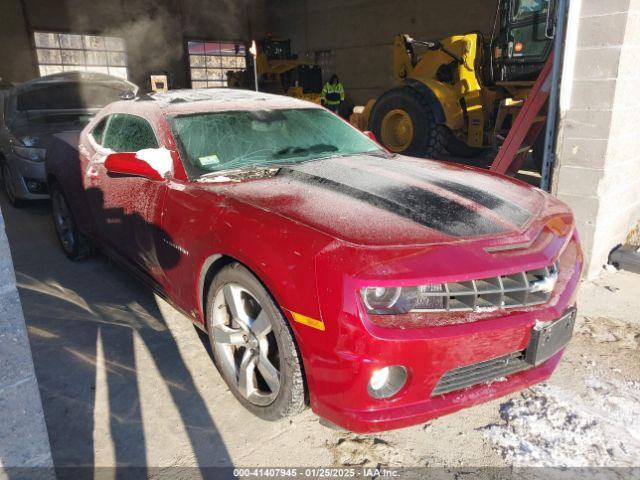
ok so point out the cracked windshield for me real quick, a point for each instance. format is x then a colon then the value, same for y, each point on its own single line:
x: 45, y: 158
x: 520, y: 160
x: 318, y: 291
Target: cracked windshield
x: 215, y: 142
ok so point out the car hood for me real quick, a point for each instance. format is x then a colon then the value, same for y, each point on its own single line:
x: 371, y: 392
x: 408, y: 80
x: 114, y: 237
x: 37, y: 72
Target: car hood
x: 368, y: 200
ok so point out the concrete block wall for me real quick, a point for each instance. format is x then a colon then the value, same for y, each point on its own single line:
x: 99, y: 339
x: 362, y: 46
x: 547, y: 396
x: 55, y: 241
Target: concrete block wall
x: 360, y: 33
x: 23, y: 434
x: 598, y: 172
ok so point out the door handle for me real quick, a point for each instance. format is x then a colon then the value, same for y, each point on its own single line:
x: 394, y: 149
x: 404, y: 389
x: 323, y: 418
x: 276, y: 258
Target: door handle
x: 92, y: 175
x: 550, y: 27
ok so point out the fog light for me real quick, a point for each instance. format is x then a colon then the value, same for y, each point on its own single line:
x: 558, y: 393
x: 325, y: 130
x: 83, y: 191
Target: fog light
x: 34, y: 186
x: 387, y: 381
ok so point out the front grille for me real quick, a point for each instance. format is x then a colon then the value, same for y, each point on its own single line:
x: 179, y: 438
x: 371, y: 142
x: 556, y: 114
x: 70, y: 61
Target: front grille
x: 464, y: 377
x: 522, y: 289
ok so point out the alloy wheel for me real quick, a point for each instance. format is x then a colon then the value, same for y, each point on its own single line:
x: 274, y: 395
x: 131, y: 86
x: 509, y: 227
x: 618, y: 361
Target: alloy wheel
x: 244, y: 338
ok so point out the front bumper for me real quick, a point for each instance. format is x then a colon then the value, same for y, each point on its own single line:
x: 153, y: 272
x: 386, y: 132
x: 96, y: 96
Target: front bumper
x: 338, y: 373
x: 404, y: 414
x: 25, y: 174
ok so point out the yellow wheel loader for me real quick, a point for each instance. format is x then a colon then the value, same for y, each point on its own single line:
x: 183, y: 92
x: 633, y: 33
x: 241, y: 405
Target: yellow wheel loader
x: 281, y: 72
x: 459, y: 95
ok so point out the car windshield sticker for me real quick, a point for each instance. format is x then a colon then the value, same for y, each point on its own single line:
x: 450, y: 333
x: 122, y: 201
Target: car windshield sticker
x: 208, y: 160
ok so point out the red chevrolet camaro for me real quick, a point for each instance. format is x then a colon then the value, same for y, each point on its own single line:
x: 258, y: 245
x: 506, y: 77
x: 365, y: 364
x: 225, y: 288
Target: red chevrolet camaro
x: 382, y: 290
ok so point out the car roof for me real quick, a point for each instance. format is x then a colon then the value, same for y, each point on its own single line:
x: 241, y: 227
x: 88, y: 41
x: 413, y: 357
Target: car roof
x: 76, y: 77
x: 185, y: 101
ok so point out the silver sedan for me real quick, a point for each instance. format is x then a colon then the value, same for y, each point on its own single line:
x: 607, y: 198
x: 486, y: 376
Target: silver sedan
x: 33, y: 111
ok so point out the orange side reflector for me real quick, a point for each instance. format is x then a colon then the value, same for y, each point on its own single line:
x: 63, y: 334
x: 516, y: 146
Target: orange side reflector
x: 559, y: 226
x: 308, y: 321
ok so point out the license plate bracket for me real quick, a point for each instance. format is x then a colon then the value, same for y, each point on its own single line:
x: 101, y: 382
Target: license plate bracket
x: 549, y: 339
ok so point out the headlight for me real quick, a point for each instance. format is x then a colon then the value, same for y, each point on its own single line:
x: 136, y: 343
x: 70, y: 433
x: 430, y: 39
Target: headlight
x: 398, y: 300
x: 30, y: 153
x: 381, y: 298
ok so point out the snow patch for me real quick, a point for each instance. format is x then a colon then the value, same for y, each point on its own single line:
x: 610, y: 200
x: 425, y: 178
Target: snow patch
x: 218, y: 179
x: 159, y: 159
x: 485, y: 309
x: 551, y: 427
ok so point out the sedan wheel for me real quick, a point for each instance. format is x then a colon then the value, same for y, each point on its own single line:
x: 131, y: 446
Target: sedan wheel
x: 9, y: 187
x: 74, y: 244
x: 253, y: 346
x: 63, y: 221
x: 249, y: 352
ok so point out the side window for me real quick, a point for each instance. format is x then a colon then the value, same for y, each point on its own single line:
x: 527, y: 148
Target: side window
x: 129, y: 133
x: 98, y: 131
x: 529, y: 8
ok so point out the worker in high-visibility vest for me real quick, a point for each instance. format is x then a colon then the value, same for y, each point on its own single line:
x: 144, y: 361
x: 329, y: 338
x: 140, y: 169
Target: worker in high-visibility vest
x: 332, y: 94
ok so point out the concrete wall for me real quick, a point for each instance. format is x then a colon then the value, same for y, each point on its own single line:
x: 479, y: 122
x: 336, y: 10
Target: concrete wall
x: 598, y: 172
x: 155, y: 31
x: 23, y: 435
x: 360, y: 33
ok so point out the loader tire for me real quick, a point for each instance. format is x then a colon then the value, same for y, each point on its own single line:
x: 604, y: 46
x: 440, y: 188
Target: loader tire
x: 404, y: 122
x: 538, y: 151
x: 458, y: 148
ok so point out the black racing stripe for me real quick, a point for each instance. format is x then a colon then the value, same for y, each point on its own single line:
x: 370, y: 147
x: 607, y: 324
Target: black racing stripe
x: 421, y: 206
x: 510, y: 211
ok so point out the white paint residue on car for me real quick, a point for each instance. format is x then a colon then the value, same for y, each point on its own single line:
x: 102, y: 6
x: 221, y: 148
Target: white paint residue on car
x: 158, y: 158
x: 548, y: 426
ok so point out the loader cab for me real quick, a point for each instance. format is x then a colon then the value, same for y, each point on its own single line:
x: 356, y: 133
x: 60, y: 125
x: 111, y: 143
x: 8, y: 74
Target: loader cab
x: 524, y: 39
x: 276, y: 49
x: 281, y: 72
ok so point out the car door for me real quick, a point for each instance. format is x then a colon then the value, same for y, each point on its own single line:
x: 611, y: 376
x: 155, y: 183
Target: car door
x: 127, y: 208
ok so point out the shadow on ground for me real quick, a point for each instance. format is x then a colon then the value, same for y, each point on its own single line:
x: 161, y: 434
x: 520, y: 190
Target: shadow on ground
x: 85, y: 321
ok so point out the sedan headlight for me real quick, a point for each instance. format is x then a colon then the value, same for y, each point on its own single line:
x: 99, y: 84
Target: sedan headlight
x: 30, y: 153
x: 398, y: 300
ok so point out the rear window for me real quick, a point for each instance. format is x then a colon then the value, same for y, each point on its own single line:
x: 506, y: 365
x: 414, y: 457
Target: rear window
x: 67, y: 96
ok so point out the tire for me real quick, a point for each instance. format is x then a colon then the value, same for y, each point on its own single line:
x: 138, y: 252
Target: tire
x: 426, y: 137
x: 253, y: 340
x: 73, y: 243
x: 9, y: 188
x: 458, y: 148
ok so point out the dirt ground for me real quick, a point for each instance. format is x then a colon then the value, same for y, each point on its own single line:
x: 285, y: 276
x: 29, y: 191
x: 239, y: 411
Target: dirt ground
x: 126, y: 380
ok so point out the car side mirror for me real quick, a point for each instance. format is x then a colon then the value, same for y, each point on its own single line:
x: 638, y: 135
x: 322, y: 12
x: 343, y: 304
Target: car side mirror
x: 153, y: 163
x: 371, y: 135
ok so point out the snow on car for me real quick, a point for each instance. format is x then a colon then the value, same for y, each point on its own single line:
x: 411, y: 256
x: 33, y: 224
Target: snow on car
x: 382, y: 290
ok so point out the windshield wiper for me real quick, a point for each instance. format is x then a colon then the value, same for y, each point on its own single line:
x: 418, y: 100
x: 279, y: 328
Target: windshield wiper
x: 279, y: 160
x: 241, y: 172
x: 378, y: 153
x: 373, y: 153
x: 304, y: 151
